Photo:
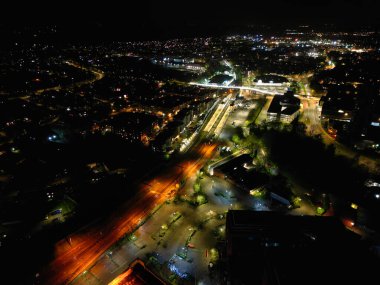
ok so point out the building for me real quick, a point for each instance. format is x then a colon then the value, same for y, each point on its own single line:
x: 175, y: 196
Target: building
x: 165, y: 139
x: 271, y: 80
x: 189, y: 64
x: 137, y: 274
x: 284, y: 108
x: 339, y: 104
x: 353, y: 114
x: 273, y: 248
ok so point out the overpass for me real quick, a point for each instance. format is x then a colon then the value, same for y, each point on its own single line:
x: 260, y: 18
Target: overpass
x: 226, y: 159
x: 218, y: 86
x: 250, y: 89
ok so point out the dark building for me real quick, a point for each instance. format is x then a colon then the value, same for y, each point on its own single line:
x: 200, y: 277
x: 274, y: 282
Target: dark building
x: 272, y: 248
x: 339, y: 105
x: 284, y: 108
x: 353, y: 114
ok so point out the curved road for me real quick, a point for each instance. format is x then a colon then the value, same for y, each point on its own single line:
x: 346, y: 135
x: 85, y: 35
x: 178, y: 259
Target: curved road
x: 311, y: 118
x: 98, y: 74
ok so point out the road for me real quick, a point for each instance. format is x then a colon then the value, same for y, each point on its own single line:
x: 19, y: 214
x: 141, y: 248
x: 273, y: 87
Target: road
x: 310, y: 116
x: 226, y: 159
x: 85, y: 247
x: 264, y: 110
x: 98, y: 75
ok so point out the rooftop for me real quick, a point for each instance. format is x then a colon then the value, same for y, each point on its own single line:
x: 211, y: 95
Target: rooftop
x: 137, y: 274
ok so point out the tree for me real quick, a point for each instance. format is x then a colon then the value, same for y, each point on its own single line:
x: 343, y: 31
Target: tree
x: 201, y: 199
x: 197, y: 187
x: 236, y: 139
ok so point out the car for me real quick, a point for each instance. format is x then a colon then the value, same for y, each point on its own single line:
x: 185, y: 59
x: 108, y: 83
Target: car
x: 56, y: 212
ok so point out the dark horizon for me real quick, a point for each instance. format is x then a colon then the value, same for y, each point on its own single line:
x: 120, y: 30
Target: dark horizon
x: 168, y: 19
x: 100, y: 32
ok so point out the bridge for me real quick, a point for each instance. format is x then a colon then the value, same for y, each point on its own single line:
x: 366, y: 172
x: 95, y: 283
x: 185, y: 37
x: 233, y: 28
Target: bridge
x: 218, y: 86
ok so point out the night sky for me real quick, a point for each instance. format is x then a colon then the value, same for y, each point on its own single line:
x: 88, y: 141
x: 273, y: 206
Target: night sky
x: 160, y: 19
